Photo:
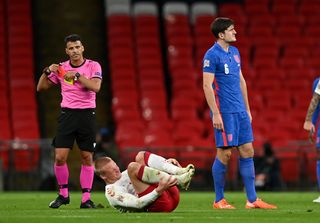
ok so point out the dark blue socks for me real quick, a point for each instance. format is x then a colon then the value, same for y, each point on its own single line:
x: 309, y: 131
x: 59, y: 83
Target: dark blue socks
x: 246, y: 167
x: 218, y: 173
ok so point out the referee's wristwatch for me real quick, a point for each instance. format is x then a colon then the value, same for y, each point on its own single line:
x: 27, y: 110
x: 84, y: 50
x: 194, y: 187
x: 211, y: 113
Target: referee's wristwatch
x: 76, y: 76
x: 47, y: 71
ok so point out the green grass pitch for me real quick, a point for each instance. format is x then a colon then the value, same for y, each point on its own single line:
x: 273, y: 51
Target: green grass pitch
x: 194, y: 207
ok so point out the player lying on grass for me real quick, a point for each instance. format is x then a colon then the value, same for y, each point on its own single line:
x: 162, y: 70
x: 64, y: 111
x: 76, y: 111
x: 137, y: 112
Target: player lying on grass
x: 149, y: 184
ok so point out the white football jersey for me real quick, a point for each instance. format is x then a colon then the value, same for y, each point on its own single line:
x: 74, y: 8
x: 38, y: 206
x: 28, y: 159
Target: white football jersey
x: 122, y: 196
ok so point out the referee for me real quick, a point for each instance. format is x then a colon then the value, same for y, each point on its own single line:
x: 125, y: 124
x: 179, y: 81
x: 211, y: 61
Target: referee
x: 80, y: 79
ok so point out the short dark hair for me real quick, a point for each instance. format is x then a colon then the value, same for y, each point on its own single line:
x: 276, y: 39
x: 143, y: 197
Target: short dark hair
x: 220, y: 24
x: 72, y: 38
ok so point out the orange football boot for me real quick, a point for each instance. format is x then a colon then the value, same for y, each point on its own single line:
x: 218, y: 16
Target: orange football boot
x: 222, y: 204
x: 260, y: 204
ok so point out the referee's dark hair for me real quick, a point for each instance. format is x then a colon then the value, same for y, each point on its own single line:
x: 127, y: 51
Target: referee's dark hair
x: 220, y: 24
x: 72, y: 38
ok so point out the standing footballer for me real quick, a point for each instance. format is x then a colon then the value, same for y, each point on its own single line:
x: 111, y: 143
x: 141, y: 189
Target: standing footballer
x: 80, y: 80
x: 226, y: 94
x: 311, y: 120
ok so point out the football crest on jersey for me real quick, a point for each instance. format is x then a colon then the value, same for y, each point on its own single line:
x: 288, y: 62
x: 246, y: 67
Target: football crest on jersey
x: 236, y: 58
x: 206, y: 63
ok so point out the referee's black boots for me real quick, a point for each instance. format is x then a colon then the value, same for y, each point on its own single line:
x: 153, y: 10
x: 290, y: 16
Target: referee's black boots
x: 88, y: 204
x: 60, y: 200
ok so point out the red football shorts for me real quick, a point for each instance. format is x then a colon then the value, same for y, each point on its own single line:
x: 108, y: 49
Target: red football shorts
x: 167, y: 202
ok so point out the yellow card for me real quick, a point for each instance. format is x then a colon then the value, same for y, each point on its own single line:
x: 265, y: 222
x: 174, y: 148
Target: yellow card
x: 70, y: 81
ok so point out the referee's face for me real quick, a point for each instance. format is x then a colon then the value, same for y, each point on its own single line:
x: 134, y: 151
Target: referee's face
x: 75, y: 50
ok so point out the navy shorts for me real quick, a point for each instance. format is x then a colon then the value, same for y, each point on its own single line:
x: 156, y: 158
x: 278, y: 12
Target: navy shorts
x: 237, y: 130
x: 76, y: 124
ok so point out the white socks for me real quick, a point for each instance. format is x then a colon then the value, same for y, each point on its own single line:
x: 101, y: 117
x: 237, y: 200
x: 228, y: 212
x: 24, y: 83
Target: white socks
x: 160, y: 163
x: 151, y: 175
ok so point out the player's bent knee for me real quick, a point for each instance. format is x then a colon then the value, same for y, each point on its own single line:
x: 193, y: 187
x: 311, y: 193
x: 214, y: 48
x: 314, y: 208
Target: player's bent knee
x: 140, y: 157
x: 60, y: 160
x: 133, y: 168
x: 247, y: 153
x: 87, y: 159
x: 227, y: 155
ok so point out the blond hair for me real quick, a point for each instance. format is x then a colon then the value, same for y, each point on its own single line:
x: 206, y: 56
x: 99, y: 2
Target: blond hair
x: 99, y: 163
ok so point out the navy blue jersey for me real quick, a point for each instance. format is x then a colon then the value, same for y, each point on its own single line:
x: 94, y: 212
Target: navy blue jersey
x: 226, y: 68
x: 316, y: 113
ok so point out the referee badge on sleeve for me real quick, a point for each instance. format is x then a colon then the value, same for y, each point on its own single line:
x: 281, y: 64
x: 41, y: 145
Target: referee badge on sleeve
x: 98, y: 74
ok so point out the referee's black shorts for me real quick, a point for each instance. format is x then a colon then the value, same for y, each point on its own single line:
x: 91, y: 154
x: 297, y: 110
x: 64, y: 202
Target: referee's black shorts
x: 76, y: 124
